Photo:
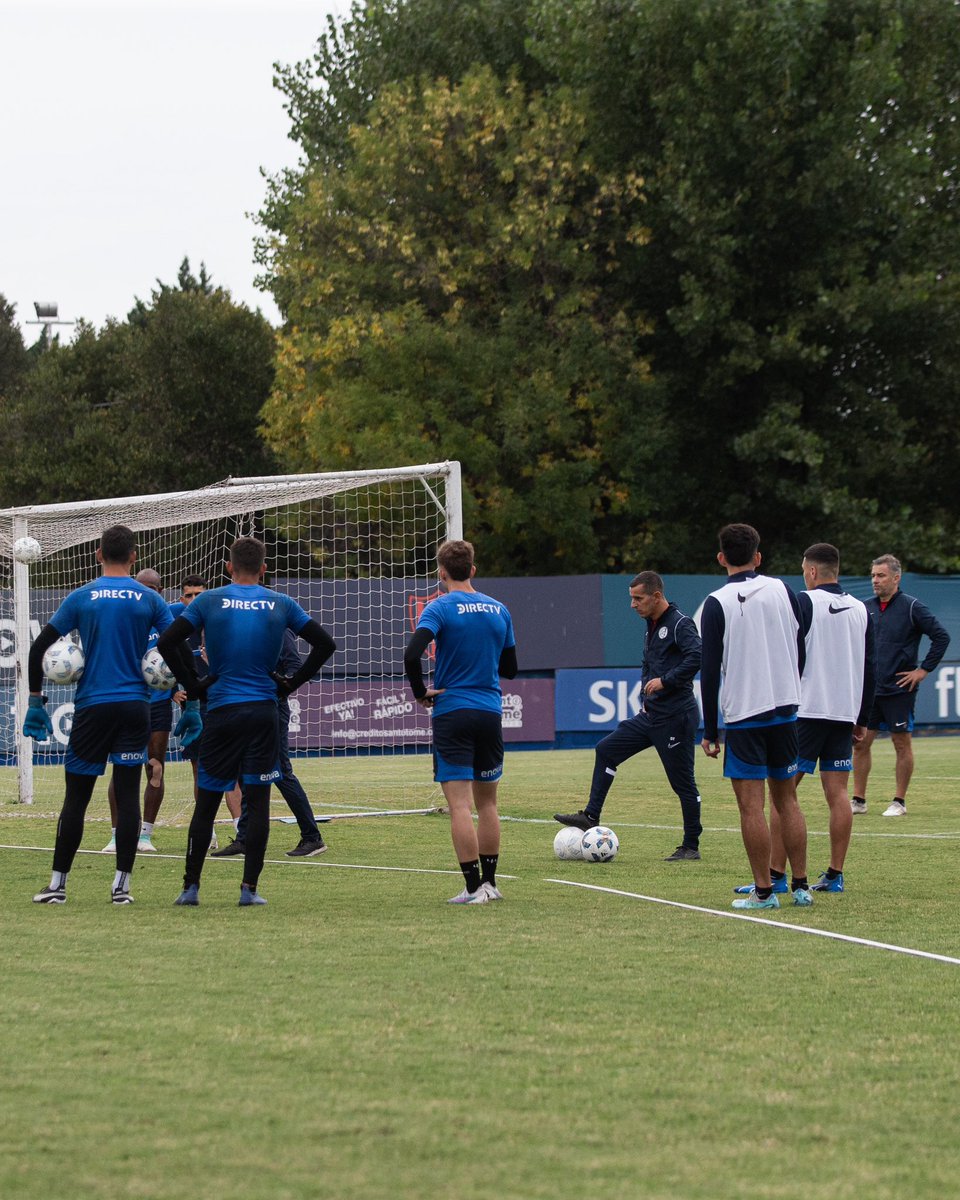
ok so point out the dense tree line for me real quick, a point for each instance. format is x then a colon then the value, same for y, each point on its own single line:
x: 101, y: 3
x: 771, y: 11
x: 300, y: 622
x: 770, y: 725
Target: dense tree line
x: 167, y: 399
x: 643, y: 267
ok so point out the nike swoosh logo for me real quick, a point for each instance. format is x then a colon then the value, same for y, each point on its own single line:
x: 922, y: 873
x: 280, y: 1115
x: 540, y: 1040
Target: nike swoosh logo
x: 743, y: 599
x: 673, y: 743
x: 900, y: 725
x: 830, y: 608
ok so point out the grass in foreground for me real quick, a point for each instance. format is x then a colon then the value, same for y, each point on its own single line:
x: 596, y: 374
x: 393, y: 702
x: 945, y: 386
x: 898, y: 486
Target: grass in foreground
x: 360, y: 1038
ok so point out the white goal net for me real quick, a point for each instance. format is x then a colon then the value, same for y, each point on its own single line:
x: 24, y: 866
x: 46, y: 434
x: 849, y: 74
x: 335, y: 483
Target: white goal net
x: 355, y: 549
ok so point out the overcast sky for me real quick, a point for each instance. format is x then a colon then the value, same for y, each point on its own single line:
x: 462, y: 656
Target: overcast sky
x: 131, y: 135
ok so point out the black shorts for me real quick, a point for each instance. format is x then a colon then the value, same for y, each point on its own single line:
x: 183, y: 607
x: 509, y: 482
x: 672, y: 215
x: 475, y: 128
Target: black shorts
x: 161, y: 715
x: 828, y: 742
x: 468, y: 744
x: 764, y: 752
x: 116, y: 732
x: 240, y: 743
x: 893, y: 713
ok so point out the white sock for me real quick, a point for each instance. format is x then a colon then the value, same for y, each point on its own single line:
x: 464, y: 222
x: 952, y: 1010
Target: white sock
x: 113, y: 831
x: 58, y: 880
x: 236, y: 825
x: 146, y: 829
x: 121, y: 881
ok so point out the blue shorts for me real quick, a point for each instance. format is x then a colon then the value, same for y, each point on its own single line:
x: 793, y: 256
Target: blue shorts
x: 763, y: 752
x: 116, y: 732
x: 240, y: 743
x: 828, y: 742
x: 161, y: 715
x: 893, y: 713
x: 468, y: 744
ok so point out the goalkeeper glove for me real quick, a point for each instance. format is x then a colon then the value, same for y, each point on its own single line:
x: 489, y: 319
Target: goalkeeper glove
x: 190, y: 725
x: 37, y: 723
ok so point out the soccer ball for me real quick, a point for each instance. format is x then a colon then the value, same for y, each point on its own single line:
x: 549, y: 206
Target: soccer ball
x: 156, y: 673
x: 599, y: 844
x: 566, y: 845
x: 26, y: 550
x: 63, y: 662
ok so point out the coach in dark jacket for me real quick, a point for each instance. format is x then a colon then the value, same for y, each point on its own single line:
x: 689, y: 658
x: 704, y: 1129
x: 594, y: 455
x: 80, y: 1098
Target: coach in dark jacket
x: 899, y: 622
x: 668, y: 719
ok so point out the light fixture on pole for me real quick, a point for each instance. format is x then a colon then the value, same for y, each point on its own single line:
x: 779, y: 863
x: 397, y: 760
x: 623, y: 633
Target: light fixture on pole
x: 47, y: 315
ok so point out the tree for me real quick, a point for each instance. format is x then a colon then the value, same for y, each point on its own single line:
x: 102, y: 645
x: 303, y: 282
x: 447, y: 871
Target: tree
x: 778, y: 346
x: 169, y: 399
x: 14, y: 356
x: 801, y: 169
x: 447, y: 299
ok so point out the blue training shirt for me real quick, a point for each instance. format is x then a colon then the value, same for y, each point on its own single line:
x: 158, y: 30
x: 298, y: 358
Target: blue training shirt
x: 114, y: 617
x: 243, y: 626
x: 471, y: 631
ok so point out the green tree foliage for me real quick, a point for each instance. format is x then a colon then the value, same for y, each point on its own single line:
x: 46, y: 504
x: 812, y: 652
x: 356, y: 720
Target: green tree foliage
x: 801, y: 164
x: 448, y: 300
x: 166, y: 400
x: 14, y: 356
x: 779, y: 346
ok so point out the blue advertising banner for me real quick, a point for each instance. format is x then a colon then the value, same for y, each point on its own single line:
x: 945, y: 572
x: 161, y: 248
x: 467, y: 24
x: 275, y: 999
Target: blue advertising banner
x: 596, y: 700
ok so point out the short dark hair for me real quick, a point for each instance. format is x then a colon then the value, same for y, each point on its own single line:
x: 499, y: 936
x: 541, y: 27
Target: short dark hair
x: 117, y: 544
x: 824, y: 555
x: 456, y: 558
x: 650, y: 581
x: 248, y: 554
x: 887, y: 560
x: 192, y: 581
x: 739, y: 544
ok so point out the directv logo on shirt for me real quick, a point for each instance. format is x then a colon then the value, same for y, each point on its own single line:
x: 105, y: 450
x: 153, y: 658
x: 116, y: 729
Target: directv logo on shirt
x: 116, y: 594
x: 248, y: 604
x: 468, y: 608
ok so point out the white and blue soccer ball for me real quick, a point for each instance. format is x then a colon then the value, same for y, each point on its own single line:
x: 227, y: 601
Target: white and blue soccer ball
x: 63, y: 662
x: 26, y: 550
x: 566, y: 845
x: 599, y: 844
x: 156, y: 674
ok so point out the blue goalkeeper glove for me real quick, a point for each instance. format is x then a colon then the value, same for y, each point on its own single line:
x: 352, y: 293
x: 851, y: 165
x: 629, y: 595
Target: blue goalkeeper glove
x: 37, y: 723
x: 190, y: 725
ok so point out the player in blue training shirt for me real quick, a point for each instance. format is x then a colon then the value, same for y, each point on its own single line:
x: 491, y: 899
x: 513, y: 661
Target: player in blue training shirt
x: 161, y: 723
x: 243, y: 626
x: 475, y: 648
x: 191, y: 587
x: 114, y: 616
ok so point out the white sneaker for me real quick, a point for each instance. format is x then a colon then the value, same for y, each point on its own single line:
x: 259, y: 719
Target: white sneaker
x: 480, y: 896
x: 144, y: 845
x: 493, y: 892
x: 858, y: 806
x: 896, y: 809
x: 214, y: 844
x: 110, y: 847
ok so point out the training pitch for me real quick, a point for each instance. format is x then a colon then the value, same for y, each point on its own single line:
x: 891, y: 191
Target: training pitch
x: 607, y: 1030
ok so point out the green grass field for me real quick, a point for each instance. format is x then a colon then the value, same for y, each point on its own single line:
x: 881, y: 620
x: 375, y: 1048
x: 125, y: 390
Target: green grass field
x: 358, y: 1038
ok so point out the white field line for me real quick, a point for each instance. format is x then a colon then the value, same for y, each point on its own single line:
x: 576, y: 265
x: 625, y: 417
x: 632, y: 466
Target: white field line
x: 277, y: 862
x: 948, y: 836
x: 739, y: 916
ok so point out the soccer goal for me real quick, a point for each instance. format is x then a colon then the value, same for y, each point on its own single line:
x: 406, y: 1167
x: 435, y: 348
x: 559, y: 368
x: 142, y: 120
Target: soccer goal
x: 356, y: 549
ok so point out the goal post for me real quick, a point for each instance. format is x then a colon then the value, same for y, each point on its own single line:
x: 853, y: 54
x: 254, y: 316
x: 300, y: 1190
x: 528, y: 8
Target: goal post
x: 356, y: 549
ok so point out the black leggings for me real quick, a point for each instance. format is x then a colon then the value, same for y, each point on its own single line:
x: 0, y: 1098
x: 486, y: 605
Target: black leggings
x: 257, y: 799
x: 126, y: 782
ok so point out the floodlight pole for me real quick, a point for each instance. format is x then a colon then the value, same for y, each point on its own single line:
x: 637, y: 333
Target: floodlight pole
x: 47, y: 315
